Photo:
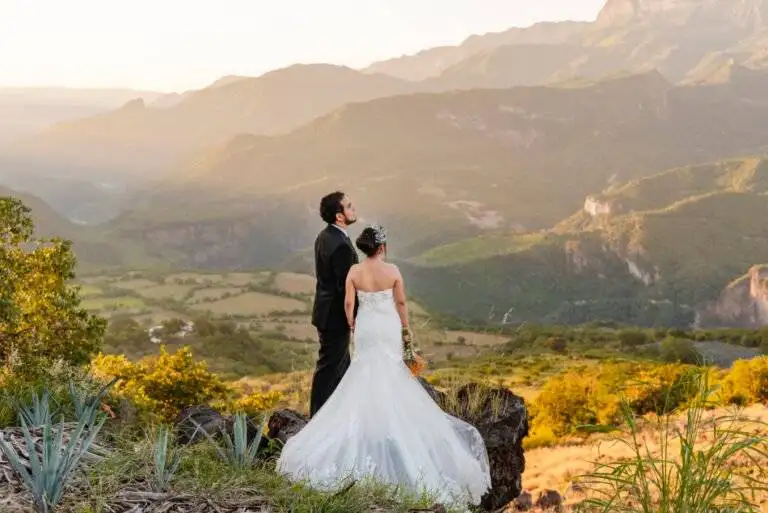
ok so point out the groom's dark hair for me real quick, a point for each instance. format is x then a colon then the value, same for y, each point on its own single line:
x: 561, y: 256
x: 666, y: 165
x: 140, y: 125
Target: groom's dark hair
x: 330, y: 205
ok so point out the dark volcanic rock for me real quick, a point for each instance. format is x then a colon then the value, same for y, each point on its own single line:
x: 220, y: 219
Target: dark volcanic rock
x: 502, y: 420
x: 283, y: 424
x: 194, y: 421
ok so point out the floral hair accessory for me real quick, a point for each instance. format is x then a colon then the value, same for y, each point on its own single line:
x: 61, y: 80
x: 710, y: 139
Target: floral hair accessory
x: 379, y: 234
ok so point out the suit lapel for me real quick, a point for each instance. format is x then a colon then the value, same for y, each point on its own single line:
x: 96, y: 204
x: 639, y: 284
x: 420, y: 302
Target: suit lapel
x: 352, y: 247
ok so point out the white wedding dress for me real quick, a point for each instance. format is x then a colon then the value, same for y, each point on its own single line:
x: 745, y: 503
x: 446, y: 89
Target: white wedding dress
x: 381, y: 424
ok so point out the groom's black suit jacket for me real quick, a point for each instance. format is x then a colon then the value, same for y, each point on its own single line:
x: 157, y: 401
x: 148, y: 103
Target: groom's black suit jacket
x: 334, y: 255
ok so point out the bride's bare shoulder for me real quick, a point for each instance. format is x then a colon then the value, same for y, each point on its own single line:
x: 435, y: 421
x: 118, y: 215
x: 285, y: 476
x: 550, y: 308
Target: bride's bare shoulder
x: 353, y: 271
x: 393, y: 269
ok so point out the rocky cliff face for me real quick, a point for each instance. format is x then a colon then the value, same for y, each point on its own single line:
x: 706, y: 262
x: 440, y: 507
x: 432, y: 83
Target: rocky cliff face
x: 744, y: 303
x: 595, y: 206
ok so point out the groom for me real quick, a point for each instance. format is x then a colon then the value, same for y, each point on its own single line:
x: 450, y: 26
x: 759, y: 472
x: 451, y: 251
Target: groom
x: 334, y: 255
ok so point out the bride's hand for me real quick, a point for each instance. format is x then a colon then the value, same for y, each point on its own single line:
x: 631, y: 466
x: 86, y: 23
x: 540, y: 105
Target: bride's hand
x: 407, y: 336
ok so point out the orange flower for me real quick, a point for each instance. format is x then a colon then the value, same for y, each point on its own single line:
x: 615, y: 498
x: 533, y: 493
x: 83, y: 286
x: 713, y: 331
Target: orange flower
x: 416, y: 364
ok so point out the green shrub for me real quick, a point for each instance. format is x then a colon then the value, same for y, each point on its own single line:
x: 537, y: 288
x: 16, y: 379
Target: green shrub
x: 678, y: 350
x: 632, y: 338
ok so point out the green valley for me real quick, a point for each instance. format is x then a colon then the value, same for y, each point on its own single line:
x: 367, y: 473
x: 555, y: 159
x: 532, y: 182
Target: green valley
x: 652, y: 251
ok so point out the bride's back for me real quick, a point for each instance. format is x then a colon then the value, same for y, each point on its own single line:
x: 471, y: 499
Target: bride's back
x: 374, y: 275
x: 377, y: 327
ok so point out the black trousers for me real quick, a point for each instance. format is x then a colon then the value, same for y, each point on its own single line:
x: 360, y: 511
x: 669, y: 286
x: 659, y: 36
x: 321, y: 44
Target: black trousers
x: 332, y: 362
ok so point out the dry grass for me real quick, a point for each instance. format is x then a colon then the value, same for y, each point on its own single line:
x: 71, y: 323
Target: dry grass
x: 158, y: 316
x: 475, y: 339
x: 252, y: 304
x: 555, y: 468
x: 294, y: 283
x: 127, y: 303
x: 135, y: 284
x: 244, y: 279
x: 441, y: 353
x: 165, y: 291
x: 213, y: 293
x: 201, y: 279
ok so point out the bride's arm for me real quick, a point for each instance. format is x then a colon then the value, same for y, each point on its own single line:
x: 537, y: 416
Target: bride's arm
x: 349, y: 300
x: 401, y: 302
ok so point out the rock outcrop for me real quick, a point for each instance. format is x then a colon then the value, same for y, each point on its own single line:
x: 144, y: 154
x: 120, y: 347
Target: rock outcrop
x: 743, y: 303
x: 595, y: 206
x: 194, y: 422
x: 502, y: 420
x: 283, y: 424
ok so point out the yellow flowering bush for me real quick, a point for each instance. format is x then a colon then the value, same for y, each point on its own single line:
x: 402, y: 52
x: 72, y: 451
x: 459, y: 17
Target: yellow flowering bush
x: 575, y: 398
x: 254, y: 403
x: 746, y: 382
x: 164, y: 384
x: 661, y: 389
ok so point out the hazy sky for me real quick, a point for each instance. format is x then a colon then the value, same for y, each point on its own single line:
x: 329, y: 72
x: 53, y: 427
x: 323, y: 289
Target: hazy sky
x: 183, y: 44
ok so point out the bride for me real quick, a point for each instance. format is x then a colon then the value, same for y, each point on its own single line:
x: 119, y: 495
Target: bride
x: 380, y: 423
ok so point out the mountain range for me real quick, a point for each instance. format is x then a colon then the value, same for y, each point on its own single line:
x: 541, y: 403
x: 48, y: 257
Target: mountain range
x: 561, y: 172
x: 684, y: 40
x: 24, y: 112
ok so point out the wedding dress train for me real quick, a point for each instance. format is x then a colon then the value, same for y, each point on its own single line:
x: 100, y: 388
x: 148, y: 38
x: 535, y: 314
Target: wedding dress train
x: 380, y: 423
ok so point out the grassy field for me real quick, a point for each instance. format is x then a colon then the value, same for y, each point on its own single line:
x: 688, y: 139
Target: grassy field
x: 250, y: 304
x: 273, y: 307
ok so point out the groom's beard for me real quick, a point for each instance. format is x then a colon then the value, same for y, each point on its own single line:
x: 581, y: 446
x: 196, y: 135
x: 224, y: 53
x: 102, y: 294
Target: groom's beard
x: 349, y: 221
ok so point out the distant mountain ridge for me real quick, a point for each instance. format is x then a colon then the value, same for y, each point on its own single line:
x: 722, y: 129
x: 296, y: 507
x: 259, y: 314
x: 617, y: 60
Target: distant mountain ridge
x: 27, y: 111
x: 109, y: 142
x: 675, y: 37
x: 469, y: 162
x: 128, y: 148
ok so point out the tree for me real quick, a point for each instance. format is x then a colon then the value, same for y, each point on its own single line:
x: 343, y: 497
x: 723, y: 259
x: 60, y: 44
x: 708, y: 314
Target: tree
x: 678, y: 350
x: 41, y: 319
x: 557, y: 344
x: 632, y: 338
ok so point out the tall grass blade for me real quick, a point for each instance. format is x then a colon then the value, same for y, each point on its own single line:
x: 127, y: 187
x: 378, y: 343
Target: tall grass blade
x: 697, y: 477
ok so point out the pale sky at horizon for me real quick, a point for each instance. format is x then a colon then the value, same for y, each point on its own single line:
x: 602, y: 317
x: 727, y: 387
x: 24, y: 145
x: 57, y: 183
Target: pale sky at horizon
x: 175, y: 45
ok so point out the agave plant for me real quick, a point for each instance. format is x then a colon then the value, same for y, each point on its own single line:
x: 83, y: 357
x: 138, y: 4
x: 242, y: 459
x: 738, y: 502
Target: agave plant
x: 49, y: 471
x: 166, y: 460
x: 41, y: 410
x: 86, y: 404
x: 235, y: 449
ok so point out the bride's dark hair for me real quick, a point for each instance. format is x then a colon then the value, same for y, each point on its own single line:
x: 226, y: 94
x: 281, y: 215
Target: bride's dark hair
x: 371, y: 239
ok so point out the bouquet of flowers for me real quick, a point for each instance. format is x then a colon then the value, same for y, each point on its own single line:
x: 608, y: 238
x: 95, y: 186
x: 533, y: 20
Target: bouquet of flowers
x: 412, y: 360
